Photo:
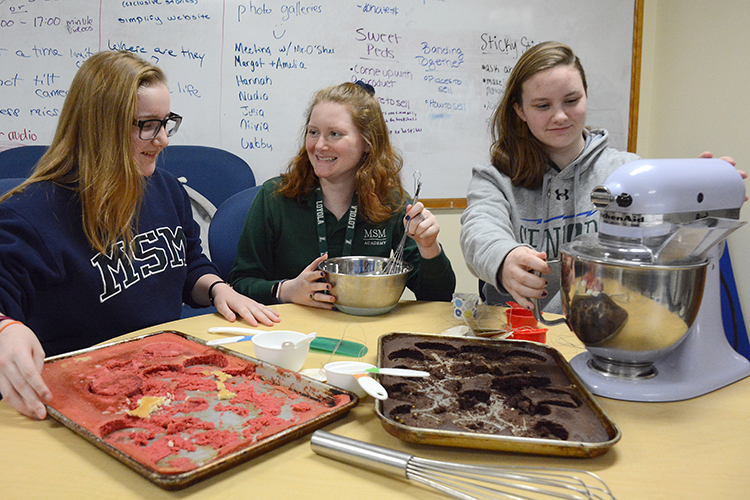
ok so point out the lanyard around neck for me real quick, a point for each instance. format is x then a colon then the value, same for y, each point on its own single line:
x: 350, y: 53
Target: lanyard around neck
x: 352, y: 219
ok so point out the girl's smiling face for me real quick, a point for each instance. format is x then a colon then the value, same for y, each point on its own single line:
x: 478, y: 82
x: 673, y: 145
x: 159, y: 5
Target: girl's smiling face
x: 153, y: 104
x: 553, y: 105
x: 334, y: 145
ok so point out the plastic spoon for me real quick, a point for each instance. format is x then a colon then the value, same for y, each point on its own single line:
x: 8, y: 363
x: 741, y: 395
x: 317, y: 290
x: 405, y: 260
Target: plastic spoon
x: 288, y: 344
x: 229, y: 340
x: 398, y: 372
x: 371, y: 386
x: 234, y: 329
x: 361, y: 367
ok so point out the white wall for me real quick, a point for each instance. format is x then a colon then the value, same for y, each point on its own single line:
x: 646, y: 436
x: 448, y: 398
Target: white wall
x: 695, y: 93
x: 450, y: 229
x: 694, y: 96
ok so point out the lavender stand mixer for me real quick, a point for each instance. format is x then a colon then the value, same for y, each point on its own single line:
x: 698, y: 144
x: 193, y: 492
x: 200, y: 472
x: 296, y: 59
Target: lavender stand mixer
x: 643, y: 294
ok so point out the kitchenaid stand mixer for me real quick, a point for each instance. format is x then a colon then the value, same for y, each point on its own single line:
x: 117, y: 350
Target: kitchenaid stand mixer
x: 643, y: 295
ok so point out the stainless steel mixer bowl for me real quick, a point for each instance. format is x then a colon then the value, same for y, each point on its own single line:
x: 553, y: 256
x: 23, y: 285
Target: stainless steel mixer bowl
x: 634, y: 315
x: 359, y: 286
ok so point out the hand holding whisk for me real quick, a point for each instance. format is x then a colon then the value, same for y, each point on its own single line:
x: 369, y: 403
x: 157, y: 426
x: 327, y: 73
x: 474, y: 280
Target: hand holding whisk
x: 395, y: 263
x: 467, y: 482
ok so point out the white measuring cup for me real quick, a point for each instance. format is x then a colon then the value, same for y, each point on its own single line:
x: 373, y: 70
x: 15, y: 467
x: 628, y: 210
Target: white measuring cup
x: 353, y: 380
x: 354, y: 376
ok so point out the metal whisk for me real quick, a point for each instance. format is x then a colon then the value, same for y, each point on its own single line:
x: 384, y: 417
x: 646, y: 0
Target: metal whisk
x: 395, y: 263
x: 467, y: 482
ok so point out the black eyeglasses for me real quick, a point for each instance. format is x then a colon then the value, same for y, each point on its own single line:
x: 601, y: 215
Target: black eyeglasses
x: 148, y: 129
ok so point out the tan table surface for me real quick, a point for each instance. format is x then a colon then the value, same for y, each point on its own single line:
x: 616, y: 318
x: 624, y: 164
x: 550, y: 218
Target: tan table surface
x: 696, y: 449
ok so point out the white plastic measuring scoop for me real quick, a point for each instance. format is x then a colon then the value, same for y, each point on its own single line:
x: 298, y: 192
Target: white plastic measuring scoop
x: 371, y: 386
x: 353, y: 376
x: 288, y: 344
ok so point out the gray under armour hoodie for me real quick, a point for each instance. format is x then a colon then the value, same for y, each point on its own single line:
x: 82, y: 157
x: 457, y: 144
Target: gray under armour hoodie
x: 499, y: 216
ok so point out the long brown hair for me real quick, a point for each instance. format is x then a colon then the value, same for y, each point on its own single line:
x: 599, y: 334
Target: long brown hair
x: 92, y: 152
x: 378, y: 181
x: 515, y: 151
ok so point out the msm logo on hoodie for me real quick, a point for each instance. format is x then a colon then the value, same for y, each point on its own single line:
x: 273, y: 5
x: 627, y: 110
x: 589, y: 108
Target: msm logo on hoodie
x: 152, y: 253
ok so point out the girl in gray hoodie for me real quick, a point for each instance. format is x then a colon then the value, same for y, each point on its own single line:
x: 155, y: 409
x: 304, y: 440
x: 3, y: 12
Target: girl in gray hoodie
x: 535, y: 194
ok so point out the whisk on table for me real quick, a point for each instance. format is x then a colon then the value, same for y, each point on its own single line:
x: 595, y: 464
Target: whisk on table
x: 467, y: 482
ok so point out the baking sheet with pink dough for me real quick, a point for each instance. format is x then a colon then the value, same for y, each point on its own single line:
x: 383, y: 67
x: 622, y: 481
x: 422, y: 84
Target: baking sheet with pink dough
x: 178, y: 411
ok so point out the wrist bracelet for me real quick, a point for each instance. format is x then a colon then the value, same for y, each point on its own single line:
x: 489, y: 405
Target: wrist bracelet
x: 3, y: 317
x: 275, y: 290
x: 12, y: 322
x: 211, y: 290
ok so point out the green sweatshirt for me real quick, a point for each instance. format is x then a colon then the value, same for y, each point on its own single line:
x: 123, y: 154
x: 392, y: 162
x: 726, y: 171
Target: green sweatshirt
x: 280, y: 239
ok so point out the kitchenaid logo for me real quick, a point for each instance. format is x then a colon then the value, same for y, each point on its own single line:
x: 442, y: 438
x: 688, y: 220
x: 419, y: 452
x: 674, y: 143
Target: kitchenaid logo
x: 375, y: 237
x: 623, y: 219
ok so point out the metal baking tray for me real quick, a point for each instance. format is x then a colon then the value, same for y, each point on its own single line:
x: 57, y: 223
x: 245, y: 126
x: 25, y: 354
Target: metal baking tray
x: 498, y: 442
x: 81, y: 412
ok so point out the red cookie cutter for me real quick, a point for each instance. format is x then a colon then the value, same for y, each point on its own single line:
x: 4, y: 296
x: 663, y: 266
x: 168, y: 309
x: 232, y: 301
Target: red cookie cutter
x: 518, y: 316
x: 529, y: 333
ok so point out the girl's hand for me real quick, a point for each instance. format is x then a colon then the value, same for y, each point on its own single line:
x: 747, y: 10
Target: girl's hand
x: 230, y: 304
x: 422, y: 226
x: 21, y: 363
x: 728, y: 159
x: 517, y: 276
x: 307, y: 289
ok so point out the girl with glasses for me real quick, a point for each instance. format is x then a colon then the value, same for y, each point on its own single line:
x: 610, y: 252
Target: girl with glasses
x: 97, y: 242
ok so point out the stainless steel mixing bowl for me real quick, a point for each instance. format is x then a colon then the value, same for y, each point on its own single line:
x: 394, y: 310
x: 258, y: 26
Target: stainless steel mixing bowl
x: 629, y: 315
x: 359, y: 286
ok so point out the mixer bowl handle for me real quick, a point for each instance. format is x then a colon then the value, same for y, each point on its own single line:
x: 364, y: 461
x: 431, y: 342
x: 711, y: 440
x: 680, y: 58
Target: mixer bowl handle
x: 538, y: 315
x: 538, y: 309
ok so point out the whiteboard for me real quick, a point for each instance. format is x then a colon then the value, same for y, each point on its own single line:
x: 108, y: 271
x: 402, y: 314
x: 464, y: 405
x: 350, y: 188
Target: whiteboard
x: 242, y: 72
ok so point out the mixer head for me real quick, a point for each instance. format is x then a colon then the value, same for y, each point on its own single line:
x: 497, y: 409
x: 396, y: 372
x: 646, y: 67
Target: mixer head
x: 646, y: 192
x: 674, y: 210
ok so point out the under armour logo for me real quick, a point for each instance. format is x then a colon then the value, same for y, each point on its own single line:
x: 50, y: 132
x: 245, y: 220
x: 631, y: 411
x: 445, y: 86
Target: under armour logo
x: 562, y: 195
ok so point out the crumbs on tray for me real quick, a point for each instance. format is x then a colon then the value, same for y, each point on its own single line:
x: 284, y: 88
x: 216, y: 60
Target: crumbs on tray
x: 173, y: 404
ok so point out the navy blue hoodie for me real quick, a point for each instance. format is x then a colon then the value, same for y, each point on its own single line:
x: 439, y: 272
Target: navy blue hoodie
x: 71, y: 296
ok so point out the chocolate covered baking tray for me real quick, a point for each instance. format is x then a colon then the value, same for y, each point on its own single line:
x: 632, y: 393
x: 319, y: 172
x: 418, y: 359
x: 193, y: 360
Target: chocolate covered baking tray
x: 507, y: 395
x: 177, y: 411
